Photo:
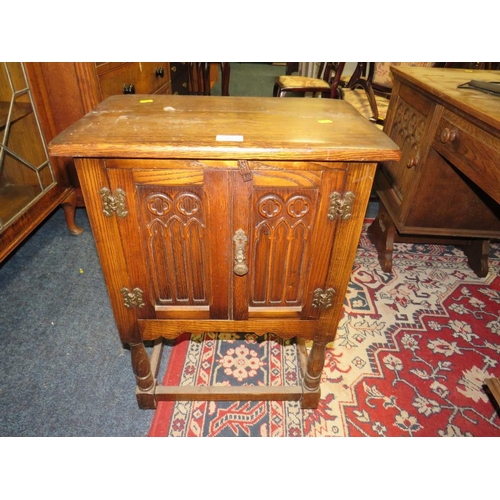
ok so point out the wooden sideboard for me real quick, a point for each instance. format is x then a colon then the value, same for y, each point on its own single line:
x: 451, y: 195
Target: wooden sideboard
x: 446, y: 187
x: 225, y: 214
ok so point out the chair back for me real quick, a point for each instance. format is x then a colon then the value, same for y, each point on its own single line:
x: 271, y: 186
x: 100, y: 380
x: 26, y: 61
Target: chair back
x: 332, y: 75
x: 375, y: 80
x: 379, y: 74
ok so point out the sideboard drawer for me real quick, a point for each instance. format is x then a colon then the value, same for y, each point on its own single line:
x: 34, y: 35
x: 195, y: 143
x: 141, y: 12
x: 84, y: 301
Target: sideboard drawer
x: 132, y: 78
x: 471, y: 148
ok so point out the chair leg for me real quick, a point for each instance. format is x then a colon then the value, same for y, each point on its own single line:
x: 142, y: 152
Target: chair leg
x: 225, y: 74
x: 373, y: 101
x: 365, y: 85
x: 205, y: 76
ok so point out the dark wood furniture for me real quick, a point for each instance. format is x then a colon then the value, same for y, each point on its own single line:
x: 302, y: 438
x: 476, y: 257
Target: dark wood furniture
x: 31, y: 186
x: 446, y: 187
x: 203, y: 75
x: 225, y: 214
x: 179, y: 78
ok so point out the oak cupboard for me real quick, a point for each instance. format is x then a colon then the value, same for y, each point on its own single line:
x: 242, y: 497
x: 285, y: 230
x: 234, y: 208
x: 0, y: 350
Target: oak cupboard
x: 225, y: 214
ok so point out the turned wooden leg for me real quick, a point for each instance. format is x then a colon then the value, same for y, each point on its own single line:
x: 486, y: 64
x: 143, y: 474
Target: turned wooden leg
x: 382, y: 233
x: 146, y: 383
x: 312, y: 377
x: 477, y: 252
x: 69, y: 207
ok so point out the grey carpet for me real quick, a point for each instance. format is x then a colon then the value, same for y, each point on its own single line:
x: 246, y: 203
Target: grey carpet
x: 64, y: 371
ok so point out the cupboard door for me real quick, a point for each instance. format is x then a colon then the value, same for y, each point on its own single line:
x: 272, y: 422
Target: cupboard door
x: 170, y: 239
x: 284, y: 217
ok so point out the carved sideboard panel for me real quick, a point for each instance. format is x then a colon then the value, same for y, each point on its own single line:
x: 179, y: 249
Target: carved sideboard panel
x: 282, y: 226
x: 175, y: 225
x: 408, y: 129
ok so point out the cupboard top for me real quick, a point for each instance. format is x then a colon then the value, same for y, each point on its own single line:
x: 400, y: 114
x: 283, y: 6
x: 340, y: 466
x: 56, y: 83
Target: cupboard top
x: 175, y: 126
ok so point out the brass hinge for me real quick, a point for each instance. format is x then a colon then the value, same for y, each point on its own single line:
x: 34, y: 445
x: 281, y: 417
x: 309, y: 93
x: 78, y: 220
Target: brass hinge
x: 323, y: 298
x: 340, y: 207
x: 113, y: 203
x: 132, y: 298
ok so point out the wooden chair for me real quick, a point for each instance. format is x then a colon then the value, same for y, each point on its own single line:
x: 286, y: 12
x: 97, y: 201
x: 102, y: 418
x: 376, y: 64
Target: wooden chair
x: 199, y: 78
x: 369, y: 89
x: 325, y: 84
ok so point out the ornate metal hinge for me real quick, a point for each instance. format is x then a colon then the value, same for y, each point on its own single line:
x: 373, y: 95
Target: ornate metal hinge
x: 132, y: 298
x: 323, y: 298
x: 340, y: 207
x: 245, y: 171
x: 113, y: 203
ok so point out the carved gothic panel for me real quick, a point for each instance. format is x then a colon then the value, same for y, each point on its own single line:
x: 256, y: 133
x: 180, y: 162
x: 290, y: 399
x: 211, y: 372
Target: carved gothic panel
x: 175, y: 225
x: 282, y: 228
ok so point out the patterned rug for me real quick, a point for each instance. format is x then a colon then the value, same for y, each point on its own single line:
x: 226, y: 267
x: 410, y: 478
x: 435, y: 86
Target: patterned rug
x: 411, y: 354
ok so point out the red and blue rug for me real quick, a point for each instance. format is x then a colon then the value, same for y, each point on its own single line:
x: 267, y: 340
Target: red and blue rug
x: 411, y: 355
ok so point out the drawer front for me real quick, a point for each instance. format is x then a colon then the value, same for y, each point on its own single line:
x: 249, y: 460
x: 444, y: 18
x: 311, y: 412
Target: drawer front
x: 472, y: 150
x: 132, y: 78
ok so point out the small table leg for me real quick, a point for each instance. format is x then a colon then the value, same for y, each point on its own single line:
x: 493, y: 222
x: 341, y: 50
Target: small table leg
x: 69, y: 207
x: 477, y: 252
x: 382, y: 233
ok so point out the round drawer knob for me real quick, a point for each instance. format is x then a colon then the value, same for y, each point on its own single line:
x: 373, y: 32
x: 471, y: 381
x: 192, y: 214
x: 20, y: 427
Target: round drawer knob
x: 448, y: 135
x: 159, y: 72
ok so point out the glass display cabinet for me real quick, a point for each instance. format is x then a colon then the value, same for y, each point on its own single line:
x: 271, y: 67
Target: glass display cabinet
x: 30, y: 185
